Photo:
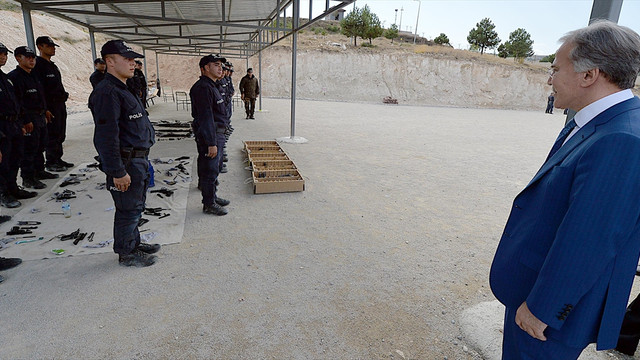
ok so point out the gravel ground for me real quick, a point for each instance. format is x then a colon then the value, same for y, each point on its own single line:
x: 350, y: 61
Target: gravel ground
x: 377, y: 259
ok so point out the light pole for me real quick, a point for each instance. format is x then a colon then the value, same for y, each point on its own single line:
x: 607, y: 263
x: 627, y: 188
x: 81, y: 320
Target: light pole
x: 417, y: 18
x: 395, y: 21
x: 400, y: 25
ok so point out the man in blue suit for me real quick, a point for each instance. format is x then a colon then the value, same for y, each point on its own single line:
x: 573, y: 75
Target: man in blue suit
x: 566, y: 260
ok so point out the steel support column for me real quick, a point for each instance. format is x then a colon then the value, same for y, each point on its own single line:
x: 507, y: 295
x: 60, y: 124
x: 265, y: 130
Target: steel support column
x: 92, y: 38
x: 605, y: 9
x: 294, y: 57
x: 260, y: 71
x: 28, y: 26
x: 144, y: 62
x: 157, y: 70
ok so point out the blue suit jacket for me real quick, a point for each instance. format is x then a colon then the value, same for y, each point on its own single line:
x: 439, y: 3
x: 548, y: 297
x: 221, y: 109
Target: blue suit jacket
x: 571, y: 244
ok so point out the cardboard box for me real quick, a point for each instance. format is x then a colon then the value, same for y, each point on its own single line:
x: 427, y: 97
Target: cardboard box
x: 267, y: 156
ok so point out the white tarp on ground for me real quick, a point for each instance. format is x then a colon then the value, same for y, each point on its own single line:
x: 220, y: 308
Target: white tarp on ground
x: 92, y: 210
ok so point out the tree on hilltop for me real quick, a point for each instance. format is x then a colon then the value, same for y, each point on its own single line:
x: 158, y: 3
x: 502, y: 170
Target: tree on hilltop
x: 483, y: 35
x: 548, y: 58
x: 391, y: 33
x: 362, y: 23
x: 350, y: 25
x: 520, y: 45
x: 442, y: 39
x: 372, y: 27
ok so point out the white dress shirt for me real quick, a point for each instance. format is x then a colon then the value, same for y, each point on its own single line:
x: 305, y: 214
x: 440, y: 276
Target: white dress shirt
x: 594, y: 109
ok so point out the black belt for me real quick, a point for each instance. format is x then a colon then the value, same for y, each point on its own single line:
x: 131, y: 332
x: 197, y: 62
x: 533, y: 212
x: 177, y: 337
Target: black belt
x: 34, y: 112
x: 8, y: 117
x: 134, y: 153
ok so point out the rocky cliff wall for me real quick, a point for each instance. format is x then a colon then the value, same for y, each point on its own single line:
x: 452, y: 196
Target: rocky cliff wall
x: 417, y: 79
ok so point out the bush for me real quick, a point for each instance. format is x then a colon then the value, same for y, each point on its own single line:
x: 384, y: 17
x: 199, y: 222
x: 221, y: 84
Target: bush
x: 366, y: 44
x: 333, y: 28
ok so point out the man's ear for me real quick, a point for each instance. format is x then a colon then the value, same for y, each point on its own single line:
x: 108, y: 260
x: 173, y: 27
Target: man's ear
x: 589, y: 77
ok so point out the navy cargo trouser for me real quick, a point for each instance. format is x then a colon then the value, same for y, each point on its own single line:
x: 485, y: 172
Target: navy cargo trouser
x: 57, y: 130
x: 11, y: 147
x: 129, y: 206
x: 208, y: 169
x: 33, y: 155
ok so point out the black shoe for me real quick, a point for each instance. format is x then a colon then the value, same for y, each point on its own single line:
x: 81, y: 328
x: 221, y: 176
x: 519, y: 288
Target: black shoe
x: 225, y: 159
x: 1, y: 279
x: 8, y: 263
x: 222, y: 202
x: 148, y: 248
x: 4, y: 218
x: 214, y: 209
x: 45, y: 175
x: 55, y: 168
x: 251, y: 117
x: 68, y: 165
x: 24, y: 194
x: 9, y: 201
x: 224, y: 169
x: 33, y: 183
x: 137, y: 258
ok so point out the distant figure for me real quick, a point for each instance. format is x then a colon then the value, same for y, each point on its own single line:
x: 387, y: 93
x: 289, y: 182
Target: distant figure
x: 249, y: 91
x: 569, y: 250
x: 550, y: 101
x: 98, y: 74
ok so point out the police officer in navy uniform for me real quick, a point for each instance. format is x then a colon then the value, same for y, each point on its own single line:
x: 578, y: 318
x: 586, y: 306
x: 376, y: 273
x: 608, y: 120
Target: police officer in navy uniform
x: 56, y: 96
x: 98, y: 74
x: 11, y: 144
x: 34, y: 118
x: 208, y: 111
x: 123, y: 136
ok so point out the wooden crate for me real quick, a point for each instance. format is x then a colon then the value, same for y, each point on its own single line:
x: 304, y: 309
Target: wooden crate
x: 277, y: 181
x: 273, y: 165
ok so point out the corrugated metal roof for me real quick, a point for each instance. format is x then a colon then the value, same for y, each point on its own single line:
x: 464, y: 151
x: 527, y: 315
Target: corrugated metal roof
x: 234, y: 28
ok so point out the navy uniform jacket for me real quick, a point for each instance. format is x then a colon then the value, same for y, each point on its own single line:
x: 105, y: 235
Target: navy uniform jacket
x: 8, y: 102
x: 207, y: 109
x: 223, y: 87
x: 571, y: 244
x: 95, y: 78
x: 49, y: 76
x: 120, y: 122
x: 30, y: 96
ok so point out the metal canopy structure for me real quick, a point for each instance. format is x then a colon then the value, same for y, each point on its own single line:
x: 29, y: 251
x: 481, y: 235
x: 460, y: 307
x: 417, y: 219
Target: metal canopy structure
x: 233, y: 28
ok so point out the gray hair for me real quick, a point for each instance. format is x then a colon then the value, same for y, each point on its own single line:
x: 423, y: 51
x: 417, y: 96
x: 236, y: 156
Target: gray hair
x: 609, y: 47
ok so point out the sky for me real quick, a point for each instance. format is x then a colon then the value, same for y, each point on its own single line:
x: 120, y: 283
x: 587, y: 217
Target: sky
x: 545, y: 20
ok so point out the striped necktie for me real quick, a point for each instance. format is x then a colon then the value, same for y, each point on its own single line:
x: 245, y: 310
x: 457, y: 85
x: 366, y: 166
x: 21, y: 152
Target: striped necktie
x: 562, y: 137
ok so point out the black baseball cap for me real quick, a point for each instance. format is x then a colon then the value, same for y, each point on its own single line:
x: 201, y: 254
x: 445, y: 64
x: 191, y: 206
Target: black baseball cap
x: 119, y: 47
x: 98, y: 61
x: 138, y: 62
x: 211, y: 58
x: 45, y: 40
x: 24, y: 50
x: 4, y: 49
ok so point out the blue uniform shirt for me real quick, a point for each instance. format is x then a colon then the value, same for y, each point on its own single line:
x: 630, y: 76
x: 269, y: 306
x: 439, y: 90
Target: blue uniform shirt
x: 120, y: 122
x: 208, y: 110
